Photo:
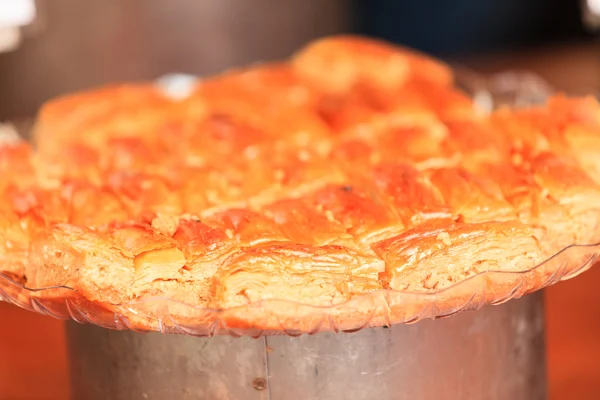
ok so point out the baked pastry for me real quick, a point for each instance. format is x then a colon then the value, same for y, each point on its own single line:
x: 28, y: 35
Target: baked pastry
x: 355, y: 168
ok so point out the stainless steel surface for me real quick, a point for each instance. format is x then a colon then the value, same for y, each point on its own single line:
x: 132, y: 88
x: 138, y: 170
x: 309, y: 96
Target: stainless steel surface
x: 495, y: 353
x: 79, y: 44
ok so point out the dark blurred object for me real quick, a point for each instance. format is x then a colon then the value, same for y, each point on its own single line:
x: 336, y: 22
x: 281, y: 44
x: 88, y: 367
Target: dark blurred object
x: 570, y: 68
x: 443, y: 27
x: 86, y: 43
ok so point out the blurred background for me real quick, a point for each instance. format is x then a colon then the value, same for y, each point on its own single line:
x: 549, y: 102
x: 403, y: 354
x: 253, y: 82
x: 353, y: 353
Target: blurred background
x: 68, y: 45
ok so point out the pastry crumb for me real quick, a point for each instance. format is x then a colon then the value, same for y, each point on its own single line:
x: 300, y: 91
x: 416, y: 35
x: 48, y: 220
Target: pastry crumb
x: 165, y: 224
x: 444, y: 237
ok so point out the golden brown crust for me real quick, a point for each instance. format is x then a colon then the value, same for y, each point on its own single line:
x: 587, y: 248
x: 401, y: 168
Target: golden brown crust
x: 339, y: 64
x: 355, y: 168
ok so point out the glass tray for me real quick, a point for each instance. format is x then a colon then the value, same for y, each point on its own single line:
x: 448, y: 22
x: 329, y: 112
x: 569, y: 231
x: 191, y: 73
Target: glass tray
x: 379, y: 308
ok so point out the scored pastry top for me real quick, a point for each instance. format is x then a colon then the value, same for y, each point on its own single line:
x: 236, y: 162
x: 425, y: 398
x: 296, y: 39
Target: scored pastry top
x: 353, y: 167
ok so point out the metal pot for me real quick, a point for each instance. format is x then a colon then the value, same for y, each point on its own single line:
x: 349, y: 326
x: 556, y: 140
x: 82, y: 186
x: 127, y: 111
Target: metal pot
x: 495, y: 353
